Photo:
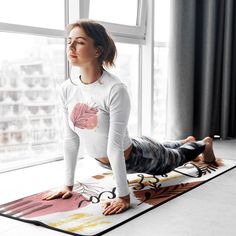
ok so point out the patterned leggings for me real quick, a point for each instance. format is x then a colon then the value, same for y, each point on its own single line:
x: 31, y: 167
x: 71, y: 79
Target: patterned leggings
x: 151, y: 157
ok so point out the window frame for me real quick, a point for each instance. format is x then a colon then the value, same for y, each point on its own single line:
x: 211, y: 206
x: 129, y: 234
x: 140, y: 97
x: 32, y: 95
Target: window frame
x: 31, y: 30
x: 164, y: 45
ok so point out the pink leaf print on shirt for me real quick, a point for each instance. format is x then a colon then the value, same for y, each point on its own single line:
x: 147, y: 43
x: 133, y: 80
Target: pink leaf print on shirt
x: 83, y: 116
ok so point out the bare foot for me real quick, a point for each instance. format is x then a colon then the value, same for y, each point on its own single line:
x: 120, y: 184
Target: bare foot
x: 208, y: 154
x: 199, y: 158
x: 189, y: 139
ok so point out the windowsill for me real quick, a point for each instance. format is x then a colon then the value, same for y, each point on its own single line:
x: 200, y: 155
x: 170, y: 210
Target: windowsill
x: 26, y: 164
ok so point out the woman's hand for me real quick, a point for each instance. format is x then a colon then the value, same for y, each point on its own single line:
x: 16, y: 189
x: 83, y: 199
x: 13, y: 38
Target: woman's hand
x: 65, y: 193
x: 116, y: 206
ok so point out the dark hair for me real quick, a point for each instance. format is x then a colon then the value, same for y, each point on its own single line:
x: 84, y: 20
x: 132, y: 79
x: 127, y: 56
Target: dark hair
x: 102, y: 40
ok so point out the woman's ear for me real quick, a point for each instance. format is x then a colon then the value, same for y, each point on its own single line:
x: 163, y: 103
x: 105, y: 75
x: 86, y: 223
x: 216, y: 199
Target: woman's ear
x: 98, y: 51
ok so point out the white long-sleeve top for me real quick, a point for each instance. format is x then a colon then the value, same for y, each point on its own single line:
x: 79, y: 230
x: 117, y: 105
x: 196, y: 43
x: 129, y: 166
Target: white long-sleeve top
x: 95, y: 118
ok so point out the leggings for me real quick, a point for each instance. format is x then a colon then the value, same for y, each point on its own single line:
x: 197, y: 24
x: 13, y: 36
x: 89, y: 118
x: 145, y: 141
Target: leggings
x: 151, y: 157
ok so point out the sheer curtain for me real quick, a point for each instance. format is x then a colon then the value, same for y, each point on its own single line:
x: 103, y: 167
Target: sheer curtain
x: 201, y: 84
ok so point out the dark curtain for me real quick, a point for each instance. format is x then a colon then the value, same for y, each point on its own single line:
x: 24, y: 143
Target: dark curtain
x: 201, y: 85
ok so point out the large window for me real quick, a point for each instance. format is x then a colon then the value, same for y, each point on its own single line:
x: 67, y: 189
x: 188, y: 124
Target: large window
x: 32, y: 65
x: 161, y: 38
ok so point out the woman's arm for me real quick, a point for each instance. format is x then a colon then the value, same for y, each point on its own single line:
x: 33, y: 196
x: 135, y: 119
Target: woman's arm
x: 70, y: 141
x: 70, y: 151
x: 119, y: 107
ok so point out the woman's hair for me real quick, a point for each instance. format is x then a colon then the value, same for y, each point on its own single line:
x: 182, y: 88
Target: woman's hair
x: 102, y: 40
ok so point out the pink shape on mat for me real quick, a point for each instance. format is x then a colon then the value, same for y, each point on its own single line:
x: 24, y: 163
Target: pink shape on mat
x: 56, y: 205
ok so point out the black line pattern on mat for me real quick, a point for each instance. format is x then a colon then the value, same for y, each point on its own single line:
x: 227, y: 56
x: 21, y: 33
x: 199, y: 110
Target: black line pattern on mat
x: 208, y: 168
x: 140, y: 183
x: 152, y: 184
x: 155, y: 185
x: 164, y: 192
x: 95, y: 199
x: 199, y: 172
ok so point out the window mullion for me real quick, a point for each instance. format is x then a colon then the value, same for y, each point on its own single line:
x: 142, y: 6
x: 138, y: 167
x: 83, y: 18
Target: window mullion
x: 142, y: 15
x: 125, y: 33
x: 23, y: 29
x: 140, y: 97
x: 67, y: 11
x: 148, y: 73
x: 84, y: 8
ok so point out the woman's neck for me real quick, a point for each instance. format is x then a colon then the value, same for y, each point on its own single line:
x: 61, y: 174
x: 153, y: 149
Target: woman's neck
x: 90, y: 75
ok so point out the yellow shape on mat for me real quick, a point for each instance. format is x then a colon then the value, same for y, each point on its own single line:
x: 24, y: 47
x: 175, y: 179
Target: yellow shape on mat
x: 93, y: 222
x: 70, y: 219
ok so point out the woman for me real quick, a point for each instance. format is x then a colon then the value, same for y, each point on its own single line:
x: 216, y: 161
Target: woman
x: 96, y: 108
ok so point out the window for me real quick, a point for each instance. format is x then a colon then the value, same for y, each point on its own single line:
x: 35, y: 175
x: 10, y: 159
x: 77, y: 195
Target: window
x: 43, y: 13
x: 110, y: 11
x: 161, y: 32
x: 127, y: 68
x: 32, y: 65
x: 162, y: 20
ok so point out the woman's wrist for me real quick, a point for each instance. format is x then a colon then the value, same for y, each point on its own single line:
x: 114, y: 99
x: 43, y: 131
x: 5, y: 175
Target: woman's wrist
x: 127, y: 197
x: 70, y: 188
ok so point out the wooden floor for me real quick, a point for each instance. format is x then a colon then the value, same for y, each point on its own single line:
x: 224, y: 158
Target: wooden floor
x: 209, y: 209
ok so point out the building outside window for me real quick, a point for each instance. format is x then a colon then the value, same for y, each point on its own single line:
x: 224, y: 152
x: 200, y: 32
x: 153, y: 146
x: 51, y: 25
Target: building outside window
x: 32, y: 65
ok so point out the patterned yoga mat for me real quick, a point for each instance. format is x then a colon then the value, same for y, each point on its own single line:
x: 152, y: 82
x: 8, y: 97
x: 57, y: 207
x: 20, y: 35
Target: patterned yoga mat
x: 82, y: 213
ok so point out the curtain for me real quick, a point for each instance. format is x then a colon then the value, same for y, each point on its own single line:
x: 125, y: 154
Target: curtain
x: 201, y: 98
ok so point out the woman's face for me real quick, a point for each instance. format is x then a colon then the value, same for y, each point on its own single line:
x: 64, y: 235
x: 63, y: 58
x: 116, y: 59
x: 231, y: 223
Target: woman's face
x: 80, y: 48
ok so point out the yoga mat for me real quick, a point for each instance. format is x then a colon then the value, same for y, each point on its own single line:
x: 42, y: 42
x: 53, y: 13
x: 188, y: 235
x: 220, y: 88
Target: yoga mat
x: 82, y: 213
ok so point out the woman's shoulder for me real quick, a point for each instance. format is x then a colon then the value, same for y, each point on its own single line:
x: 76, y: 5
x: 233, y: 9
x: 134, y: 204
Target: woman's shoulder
x: 65, y: 88
x: 117, y: 90
x: 112, y: 80
x: 65, y: 85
